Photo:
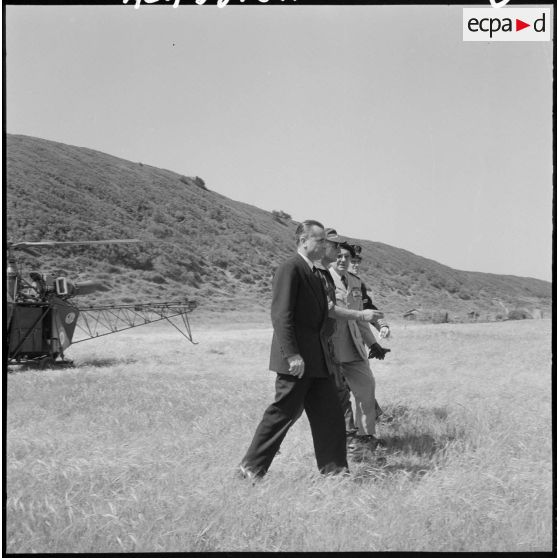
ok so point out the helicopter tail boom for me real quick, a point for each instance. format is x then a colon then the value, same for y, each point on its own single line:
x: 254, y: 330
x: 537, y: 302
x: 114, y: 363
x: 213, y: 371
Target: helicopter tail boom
x: 97, y: 321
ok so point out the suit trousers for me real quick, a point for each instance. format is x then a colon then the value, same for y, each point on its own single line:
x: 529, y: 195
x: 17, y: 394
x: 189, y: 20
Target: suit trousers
x: 318, y: 398
x: 361, y: 381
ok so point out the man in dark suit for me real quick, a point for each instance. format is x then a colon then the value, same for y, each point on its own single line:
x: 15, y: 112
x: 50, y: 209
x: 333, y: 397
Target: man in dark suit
x: 299, y: 313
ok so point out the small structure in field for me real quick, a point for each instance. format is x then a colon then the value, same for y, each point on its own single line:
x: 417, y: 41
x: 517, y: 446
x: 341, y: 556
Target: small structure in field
x: 440, y: 317
x: 473, y: 315
x: 411, y: 314
x: 537, y: 314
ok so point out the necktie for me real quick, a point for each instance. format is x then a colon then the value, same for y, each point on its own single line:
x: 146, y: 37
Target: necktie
x: 344, y: 281
x: 317, y: 274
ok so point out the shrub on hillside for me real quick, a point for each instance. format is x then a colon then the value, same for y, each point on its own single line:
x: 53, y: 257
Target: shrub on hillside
x: 452, y: 286
x: 437, y: 282
x: 143, y: 210
x: 159, y: 231
x: 199, y: 182
x: 216, y: 214
x: 519, y: 314
x: 220, y: 257
x: 280, y: 216
x: 191, y: 278
x: 156, y: 278
x: 196, y: 181
x: 206, y: 291
x: 159, y: 216
x: 259, y: 260
x: 131, y: 257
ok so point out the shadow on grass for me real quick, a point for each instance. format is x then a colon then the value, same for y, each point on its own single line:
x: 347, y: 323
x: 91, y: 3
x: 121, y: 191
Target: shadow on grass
x: 419, y: 444
x: 46, y: 365
x: 104, y: 362
x: 398, y: 413
x: 414, y: 442
x: 39, y: 364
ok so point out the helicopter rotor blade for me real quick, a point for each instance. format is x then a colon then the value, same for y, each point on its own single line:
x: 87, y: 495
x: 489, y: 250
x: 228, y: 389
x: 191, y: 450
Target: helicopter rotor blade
x: 50, y: 243
x: 28, y: 250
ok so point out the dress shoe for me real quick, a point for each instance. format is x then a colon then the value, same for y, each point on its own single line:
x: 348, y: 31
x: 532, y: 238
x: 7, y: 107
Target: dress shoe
x: 369, y: 441
x: 379, y: 442
x: 245, y: 473
x: 353, y: 446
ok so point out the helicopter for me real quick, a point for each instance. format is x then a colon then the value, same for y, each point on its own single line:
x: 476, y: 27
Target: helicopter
x: 43, y: 320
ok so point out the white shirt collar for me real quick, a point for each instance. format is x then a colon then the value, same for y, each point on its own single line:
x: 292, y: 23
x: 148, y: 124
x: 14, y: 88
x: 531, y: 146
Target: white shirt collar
x: 306, y: 260
x: 334, y: 273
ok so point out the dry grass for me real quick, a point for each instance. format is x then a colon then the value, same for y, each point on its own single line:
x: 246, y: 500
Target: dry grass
x: 135, y: 449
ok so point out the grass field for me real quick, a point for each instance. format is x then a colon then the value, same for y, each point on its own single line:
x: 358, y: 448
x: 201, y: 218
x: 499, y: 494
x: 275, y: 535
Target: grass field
x: 135, y: 449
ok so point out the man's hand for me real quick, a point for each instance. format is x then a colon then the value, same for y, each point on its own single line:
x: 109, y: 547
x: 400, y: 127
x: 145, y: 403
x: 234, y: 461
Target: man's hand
x: 371, y: 315
x: 377, y: 351
x: 296, y: 366
x: 384, y: 332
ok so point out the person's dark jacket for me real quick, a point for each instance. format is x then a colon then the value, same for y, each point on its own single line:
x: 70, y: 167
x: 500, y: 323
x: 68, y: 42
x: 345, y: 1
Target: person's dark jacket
x: 298, y: 314
x: 367, y: 303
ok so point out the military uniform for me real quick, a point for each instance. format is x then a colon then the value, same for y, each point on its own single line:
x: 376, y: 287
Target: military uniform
x: 343, y: 390
x: 350, y: 352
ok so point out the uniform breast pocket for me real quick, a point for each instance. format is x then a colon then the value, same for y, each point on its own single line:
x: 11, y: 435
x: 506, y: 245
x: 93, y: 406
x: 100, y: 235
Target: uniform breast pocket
x: 354, y: 299
x: 356, y: 293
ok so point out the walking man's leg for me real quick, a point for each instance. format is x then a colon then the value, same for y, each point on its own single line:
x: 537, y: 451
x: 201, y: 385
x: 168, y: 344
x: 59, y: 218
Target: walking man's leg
x: 344, y: 395
x: 327, y: 424
x: 275, y: 423
x: 362, y: 384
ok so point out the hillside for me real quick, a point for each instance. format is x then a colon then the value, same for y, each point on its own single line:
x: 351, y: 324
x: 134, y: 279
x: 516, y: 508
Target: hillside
x: 199, y: 244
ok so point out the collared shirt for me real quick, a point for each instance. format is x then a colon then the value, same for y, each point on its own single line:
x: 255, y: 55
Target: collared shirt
x: 344, y: 345
x: 306, y: 260
x: 334, y: 273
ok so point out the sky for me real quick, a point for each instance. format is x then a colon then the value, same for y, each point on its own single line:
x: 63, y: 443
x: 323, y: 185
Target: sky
x: 379, y: 121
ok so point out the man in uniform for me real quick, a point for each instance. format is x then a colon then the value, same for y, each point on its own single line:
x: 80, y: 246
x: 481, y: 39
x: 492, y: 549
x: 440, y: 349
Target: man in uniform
x: 349, y: 342
x: 337, y: 312
x: 381, y: 325
x: 376, y: 351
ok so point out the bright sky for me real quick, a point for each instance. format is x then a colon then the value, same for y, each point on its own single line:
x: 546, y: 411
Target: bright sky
x: 377, y: 120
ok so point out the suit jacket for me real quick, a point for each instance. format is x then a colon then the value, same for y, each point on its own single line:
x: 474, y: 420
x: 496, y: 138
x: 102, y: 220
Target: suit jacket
x: 298, y: 315
x: 350, y: 336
